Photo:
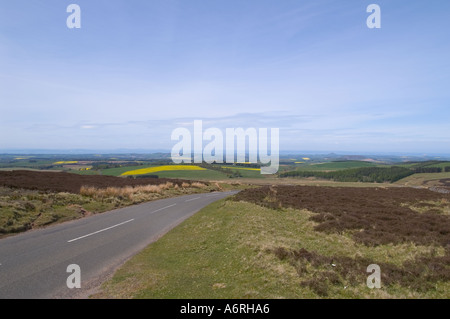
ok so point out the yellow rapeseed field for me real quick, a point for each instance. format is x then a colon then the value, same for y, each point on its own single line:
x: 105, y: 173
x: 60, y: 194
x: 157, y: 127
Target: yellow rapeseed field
x: 164, y: 168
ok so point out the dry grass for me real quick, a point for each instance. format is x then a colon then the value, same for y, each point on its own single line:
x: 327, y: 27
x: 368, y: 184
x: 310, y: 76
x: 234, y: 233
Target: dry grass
x: 166, y: 186
x: 129, y: 192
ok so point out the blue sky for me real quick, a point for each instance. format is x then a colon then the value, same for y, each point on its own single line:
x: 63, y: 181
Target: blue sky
x: 136, y: 70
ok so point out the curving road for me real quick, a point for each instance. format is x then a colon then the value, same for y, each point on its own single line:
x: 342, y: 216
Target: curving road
x: 34, y: 264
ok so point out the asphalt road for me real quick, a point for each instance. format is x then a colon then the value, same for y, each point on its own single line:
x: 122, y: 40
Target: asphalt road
x: 34, y: 264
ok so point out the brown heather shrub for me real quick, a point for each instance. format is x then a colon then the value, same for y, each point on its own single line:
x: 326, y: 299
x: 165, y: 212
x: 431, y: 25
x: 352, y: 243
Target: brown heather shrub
x: 282, y: 253
x: 185, y: 185
x: 420, y: 274
x: 72, y: 183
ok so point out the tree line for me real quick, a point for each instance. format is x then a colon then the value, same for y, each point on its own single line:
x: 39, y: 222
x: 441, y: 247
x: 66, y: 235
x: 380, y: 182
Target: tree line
x: 363, y: 174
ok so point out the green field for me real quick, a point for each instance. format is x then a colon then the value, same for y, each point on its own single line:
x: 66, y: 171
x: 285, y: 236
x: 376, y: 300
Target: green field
x: 420, y: 179
x: 88, y: 172
x: 26, y: 163
x: 27, y: 169
x: 120, y: 170
x: 335, y: 166
x: 193, y: 175
x: 441, y: 165
x: 245, y: 173
x: 425, y: 164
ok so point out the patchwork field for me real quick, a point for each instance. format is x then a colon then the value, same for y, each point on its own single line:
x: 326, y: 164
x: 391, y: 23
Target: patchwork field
x: 296, y: 169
